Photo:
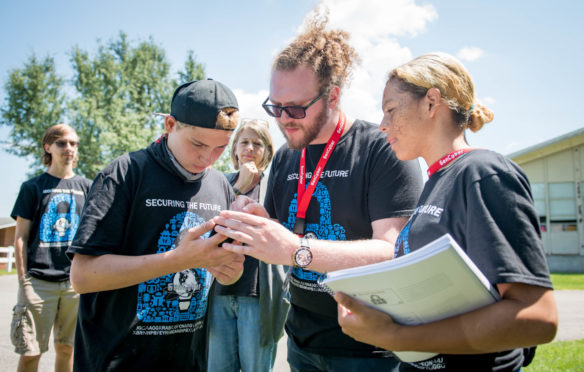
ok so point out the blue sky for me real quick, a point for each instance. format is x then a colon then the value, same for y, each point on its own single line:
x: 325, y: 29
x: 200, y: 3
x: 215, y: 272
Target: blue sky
x: 525, y: 56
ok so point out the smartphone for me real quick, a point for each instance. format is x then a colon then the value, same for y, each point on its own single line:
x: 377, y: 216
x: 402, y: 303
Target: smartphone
x: 227, y: 240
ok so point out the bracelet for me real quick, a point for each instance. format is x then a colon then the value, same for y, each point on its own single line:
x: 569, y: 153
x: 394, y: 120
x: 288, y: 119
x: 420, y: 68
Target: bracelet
x: 237, y: 191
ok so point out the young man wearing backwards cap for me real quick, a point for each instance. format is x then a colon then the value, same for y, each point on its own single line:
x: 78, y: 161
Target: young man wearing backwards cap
x: 142, y: 256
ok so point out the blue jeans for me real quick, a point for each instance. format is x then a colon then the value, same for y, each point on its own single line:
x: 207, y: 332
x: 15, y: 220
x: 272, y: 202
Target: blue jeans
x: 234, y: 336
x: 302, y: 361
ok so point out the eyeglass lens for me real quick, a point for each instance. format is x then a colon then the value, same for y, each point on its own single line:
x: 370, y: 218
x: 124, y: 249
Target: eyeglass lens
x: 295, y: 112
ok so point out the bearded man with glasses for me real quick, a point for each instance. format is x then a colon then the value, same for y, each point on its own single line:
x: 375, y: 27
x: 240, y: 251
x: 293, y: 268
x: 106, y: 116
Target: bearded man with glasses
x: 335, y: 179
x: 47, y: 213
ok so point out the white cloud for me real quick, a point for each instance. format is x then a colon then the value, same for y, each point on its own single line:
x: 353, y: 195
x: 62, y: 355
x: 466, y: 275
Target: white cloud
x: 487, y: 101
x: 374, y: 19
x: 250, y: 106
x: 374, y: 26
x: 362, y: 98
x: 470, y: 53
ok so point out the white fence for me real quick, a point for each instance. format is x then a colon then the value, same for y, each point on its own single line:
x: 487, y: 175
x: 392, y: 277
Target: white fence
x: 7, y: 257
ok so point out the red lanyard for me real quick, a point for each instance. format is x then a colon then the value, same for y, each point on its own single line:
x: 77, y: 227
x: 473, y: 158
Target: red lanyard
x: 445, y: 161
x: 304, y: 195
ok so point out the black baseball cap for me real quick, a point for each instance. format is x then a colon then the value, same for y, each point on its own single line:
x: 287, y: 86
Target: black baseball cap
x: 198, y: 102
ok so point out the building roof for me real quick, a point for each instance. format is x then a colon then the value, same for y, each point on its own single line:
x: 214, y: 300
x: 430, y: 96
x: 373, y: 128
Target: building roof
x: 6, y: 222
x: 548, y: 147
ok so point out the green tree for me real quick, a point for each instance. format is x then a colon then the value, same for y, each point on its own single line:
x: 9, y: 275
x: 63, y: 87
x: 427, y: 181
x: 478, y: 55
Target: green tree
x: 119, y: 89
x: 110, y: 102
x: 34, y: 97
x: 192, y: 70
x: 224, y: 163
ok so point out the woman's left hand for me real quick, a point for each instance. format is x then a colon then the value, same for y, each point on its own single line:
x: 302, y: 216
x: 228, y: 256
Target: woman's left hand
x: 364, y: 323
x: 249, y: 176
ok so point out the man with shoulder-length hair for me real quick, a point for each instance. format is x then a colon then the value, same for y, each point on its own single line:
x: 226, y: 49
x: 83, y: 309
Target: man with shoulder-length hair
x: 336, y: 179
x: 47, y: 213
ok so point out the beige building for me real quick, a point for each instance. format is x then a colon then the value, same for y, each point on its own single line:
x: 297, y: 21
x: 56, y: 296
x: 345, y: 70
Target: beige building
x: 555, y: 170
x: 7, y: 231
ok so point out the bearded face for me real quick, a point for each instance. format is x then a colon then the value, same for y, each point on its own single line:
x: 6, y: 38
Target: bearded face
x: 300, y: 132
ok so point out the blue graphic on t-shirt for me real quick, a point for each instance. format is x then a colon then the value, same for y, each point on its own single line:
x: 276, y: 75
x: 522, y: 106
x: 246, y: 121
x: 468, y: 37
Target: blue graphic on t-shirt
x: 325, y: 229
x: 180, y: 296
x: 402, y: 244
x: 59, y: 223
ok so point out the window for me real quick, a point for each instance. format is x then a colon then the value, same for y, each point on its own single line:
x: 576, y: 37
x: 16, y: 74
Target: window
x: 562, y: 206
x: 538, y: 192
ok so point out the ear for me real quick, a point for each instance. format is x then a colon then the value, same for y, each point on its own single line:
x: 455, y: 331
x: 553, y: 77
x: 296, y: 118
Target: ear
x: 433, y: 100
x: 169, y: 123
x: 47, y: 147
x: 334, y: 97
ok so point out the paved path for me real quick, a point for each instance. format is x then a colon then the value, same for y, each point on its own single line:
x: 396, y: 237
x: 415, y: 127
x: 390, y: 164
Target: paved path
x: 9, y: 360
x: 571, y: 310
x: 570, y: 304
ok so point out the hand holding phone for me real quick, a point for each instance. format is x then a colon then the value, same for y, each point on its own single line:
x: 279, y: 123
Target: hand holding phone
x: 227, y: 240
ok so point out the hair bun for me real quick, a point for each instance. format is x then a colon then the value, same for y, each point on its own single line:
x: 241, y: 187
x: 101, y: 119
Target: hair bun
x: 479, y: 116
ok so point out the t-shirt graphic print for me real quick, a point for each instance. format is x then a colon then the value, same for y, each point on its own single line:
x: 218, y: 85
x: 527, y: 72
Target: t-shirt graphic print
x: 325, y: 229
x: 53, y: 205
x: 176, y: 297
x: 60, y: 221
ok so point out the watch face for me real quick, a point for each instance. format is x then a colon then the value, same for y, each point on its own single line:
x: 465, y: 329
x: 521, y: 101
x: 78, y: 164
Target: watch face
x: 310, y: 235
x: 303, y: 257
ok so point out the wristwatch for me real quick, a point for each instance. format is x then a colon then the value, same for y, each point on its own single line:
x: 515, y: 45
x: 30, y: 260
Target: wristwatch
x: 302, y: 256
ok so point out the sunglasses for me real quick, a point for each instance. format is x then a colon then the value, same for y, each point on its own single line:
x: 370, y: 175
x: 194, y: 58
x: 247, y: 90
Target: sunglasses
x: 294, y: 112
x: 63, y: 143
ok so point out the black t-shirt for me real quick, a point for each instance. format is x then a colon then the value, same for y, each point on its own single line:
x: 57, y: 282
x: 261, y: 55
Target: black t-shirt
x: 53, y: 205
x: 484, y: 201
x: 362, y: 182
x: 248, y: 285
x: 140, y: 204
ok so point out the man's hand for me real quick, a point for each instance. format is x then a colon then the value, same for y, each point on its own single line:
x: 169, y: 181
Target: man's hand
x: 21, y: 235
x: 266, y: 240
x: 112, y: 271
x: 230, y: 273
x: 193, y: 251
x: 248, y: 205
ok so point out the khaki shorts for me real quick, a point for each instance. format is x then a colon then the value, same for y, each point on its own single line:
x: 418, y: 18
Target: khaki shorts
x: 42, y: 306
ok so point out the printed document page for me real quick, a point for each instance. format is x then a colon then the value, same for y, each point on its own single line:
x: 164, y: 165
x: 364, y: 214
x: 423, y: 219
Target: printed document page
x: 431, y: 283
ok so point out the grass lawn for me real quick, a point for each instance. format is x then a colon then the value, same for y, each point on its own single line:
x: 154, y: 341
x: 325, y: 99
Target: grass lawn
x: 565, y: 356
x: 561, y: 355
x: 568, y: 281
x: 558, y: 356
x: 4, y: 272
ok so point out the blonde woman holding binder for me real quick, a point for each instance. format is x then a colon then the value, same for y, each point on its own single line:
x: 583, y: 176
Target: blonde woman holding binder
x: 484, y: 201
